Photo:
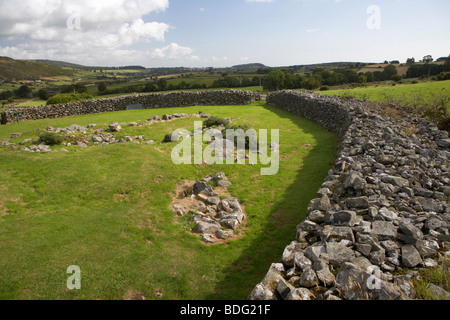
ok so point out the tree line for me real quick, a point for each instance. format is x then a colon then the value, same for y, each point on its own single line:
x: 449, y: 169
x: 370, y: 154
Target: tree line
x: 284, y: 79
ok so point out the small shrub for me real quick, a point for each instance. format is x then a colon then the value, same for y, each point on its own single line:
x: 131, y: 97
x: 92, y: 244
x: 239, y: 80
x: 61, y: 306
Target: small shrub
x: 396, y: 78
x: 236, y: 126
x: 51, y: 138
x: 347, y: 96
x: 324, y: 88
x: 215, y: 121
x: 239, y: 136
x: 443, y: 76
x: 68, y: 97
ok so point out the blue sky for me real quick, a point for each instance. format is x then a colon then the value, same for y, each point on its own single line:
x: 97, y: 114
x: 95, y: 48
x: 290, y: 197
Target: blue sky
x: 203, y: 33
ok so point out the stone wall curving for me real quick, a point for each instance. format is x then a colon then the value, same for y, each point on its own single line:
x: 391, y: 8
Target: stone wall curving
x: 148, y: 101
x: 380, y: 215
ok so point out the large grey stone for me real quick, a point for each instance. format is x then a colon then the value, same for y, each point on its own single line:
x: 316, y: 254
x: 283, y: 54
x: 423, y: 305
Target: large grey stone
x: 313, y: 253
x: 301, y: 261
x: 200, y: 186
x: 355, y: 181
x: 284, y: 288
x: 308, y: 279
x: 410, y: 256
x: 266, y: 289
x: 396, y: 181
x: 339, y: 234
x: 357, y: 284
x: 358, y: 203
x: 289, y: 253
x: 338, y: 253
x: 410, y: 232
x: 206, y: 227
x: 321, y: 204
x: 343, y: 218
x: 438, y: 292
x: 261, y: 293
x: 230, y: 222
x: 387, y: 214
x: 322, y: 269
x: 384, y: 230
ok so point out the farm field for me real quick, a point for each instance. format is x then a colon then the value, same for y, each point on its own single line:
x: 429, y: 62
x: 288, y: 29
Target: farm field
x: 106, y: 209
x: 425, y: 90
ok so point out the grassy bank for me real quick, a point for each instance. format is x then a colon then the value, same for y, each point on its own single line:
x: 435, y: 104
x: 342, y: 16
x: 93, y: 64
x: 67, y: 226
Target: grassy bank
x: 385, y: 93
x: 106, y: 209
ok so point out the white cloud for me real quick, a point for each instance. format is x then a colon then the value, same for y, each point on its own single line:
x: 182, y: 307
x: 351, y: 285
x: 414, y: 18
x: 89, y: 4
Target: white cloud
x: 172, y: 51
x: 105, y: 32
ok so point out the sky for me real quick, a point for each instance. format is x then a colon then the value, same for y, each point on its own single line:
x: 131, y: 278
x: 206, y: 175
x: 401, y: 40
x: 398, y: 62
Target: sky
x: 223, y: 33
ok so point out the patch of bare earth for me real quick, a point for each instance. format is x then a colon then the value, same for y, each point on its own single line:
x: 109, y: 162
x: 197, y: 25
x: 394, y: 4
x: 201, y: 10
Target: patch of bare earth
x: 120, y: 197
x: 3, y: 210
x: 134, y: 295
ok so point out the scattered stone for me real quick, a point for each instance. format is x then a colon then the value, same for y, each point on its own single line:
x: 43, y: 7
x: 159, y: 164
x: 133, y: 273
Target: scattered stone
x: 220, y: 176
x: 213, y: 200
x: 224, y: 234
x: 16, y: 135
x: 115, y: 127
x: 224, y: 184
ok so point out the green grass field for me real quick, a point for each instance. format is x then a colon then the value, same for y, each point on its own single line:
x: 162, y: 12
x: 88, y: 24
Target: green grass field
x: 379, y: 93
x: 106, y: 209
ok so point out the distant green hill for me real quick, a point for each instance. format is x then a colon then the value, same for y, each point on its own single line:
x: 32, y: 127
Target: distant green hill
x: 249, y: 66
x: 64, y: 64
x: 11, y: 69
x: 61, y: 64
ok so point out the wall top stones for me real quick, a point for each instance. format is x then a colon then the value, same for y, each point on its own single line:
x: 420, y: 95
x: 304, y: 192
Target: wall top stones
x: 148, y: 101
x: 382, y: 208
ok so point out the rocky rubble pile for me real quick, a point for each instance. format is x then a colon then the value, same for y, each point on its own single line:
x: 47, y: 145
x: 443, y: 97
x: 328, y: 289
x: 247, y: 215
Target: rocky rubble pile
x: 215, y: 219
x: 380, y: 216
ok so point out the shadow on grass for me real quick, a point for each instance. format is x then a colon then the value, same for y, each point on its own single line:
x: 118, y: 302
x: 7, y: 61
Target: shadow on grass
x: 280, y: 228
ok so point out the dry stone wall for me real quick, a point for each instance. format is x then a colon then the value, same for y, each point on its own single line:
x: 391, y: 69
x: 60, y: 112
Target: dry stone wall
x: 148, y: 101
x: 381, y: 214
